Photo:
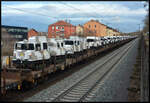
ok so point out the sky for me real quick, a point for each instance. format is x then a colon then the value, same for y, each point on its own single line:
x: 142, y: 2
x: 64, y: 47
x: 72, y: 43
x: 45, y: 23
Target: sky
x: 123, y: 16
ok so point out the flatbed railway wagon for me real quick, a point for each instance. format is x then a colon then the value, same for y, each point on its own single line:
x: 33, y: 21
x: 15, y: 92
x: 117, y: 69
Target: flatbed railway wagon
x: 19, y: 78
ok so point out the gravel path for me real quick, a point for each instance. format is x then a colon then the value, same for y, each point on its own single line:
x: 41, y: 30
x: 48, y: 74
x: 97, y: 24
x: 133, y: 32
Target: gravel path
x: 48, y: 93
x: 114, y: 88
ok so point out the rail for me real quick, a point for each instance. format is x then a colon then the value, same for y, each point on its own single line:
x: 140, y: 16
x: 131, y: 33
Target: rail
x: 81, y: 89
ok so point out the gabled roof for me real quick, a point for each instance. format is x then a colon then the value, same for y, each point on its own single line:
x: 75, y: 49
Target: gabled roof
x: 80, y: 25
x: 61, y: 23
x: 32, y: 30
x: 95, y: 21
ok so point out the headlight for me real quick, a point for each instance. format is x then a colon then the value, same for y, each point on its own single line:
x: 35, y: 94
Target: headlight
x: 21, y: 54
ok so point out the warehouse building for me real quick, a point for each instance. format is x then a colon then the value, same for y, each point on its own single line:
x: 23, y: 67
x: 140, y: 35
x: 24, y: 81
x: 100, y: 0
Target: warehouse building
x: 18, y: 33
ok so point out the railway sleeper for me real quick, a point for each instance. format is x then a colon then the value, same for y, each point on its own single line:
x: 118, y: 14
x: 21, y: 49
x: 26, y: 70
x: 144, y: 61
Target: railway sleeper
x: 80, y: 57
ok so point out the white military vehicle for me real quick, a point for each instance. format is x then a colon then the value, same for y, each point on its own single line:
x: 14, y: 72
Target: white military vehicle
x: 69, y: 46
x: 99, y: 41
x: 92, y: 41
x: 78, y: 44
x: 56, y: 48
x: 108, y: 40
x: 84, y: 44
x: 31, y: 53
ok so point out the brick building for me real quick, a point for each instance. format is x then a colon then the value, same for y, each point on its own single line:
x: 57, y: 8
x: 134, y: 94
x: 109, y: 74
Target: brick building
x: 32, y: 32
x: 112, y: 32
x: 95, y: 28
x: 80, y: 30
x: 61, y: 29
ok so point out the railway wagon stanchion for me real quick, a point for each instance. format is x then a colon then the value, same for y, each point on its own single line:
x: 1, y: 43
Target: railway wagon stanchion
x: 9, y: 62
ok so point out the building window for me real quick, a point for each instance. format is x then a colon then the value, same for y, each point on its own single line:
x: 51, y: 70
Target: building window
x: 95, y: 26
x: 53, y: 27
x: 89, y: 26
x: 56, y: 27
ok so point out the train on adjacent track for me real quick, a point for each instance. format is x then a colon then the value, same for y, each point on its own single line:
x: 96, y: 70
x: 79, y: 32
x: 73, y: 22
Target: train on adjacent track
x: 34, y: 59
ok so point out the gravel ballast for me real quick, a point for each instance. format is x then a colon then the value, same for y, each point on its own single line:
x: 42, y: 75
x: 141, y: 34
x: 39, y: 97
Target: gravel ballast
x: 114, y: 88
x: 51, y: 91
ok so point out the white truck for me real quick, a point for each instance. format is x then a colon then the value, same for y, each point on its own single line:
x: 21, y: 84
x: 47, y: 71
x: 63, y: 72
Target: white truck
x: 92, y: 41
x: 69, y: 46
x: 31, y: 53
x: 78, y: 44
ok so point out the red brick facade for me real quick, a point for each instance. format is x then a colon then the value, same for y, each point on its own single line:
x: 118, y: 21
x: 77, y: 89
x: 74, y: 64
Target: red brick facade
x: 61, y: 29
x: 32, y: 32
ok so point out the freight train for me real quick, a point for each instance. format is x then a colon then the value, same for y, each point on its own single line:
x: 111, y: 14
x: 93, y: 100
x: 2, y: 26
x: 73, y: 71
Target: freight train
x: 37, y: 50
x: 34, y: 59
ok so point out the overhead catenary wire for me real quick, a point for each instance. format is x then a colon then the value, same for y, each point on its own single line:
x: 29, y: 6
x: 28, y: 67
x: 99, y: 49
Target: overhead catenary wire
x: 81, y: 10
x: 31, y: 12
x: 76, y: 9
x: 98, y: 14
x: 40, y: 14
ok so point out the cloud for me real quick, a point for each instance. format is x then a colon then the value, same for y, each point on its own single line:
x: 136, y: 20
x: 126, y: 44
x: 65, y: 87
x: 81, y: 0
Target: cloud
x: 69, y: 9
x: 77, y: 12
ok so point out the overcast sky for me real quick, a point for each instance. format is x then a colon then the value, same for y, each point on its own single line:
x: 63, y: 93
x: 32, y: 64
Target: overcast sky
x: 124, y: 16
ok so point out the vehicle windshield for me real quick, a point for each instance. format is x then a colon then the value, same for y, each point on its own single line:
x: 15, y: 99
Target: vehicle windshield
x: 90, y: 40
x: 30, y: 47
x: 20, y: 46
x: 68, y: 42
x: 102, y: 39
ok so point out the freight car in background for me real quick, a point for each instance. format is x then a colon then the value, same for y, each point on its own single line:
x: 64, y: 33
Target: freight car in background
x: 34, y: 59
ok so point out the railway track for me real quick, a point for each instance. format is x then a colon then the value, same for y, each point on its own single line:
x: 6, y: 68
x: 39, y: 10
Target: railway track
x: 23, y: 95
x: 81, y: 90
